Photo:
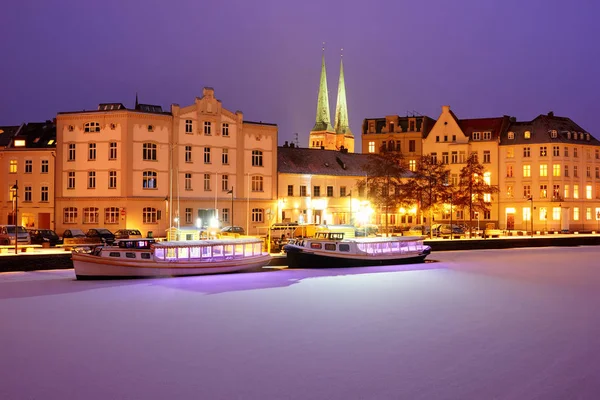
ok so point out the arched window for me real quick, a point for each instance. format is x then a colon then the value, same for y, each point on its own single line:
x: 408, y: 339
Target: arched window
x: 70, y: 215
x: 91, y: 127
x: 257, y: 183
x: 111, y: 215
x: 149, y: 215
x: 257, y: 214
x: 90, y: 215
x: 149, y: 180
x: 149, y: 152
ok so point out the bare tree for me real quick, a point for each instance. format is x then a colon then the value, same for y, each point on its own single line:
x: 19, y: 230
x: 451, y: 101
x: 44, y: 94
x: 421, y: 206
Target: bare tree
x: 473, y: 189
x: 428, y: 187
x: 384, y: 185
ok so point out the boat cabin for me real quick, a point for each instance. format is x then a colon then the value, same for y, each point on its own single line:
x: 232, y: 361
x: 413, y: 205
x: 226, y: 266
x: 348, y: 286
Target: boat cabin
x: 142, y: 244
x: 330, y: 235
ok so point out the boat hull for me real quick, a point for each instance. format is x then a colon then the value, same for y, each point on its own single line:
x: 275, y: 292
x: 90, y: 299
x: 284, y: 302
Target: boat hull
x: 88, y: 266
x: 300, y: 258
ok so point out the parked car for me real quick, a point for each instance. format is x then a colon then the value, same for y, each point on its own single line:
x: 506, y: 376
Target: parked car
x: 232, y: 230
x: 42, y: 236
x: 417, y: 230
x: 101, y: 235
x: 7, y: 235
x: 73, y: 233
x: 445, y: 229
x: 128, y: 234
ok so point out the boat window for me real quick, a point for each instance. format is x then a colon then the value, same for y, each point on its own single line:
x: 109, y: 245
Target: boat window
x: 315, y: 245
x: 344, y: 247
x: 130, y: 255
x: 145, y: 256
x: 330, y: 246
x: 114, y: 254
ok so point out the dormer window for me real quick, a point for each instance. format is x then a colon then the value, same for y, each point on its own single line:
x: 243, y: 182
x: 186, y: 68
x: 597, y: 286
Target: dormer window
x: 527, y: 135
x: 476, y: 136
x: 587, y: 137
x: 568, y: 135
x: 487, y: 135
x: 511, y: 135
x: 580, y: 135
x: 553, y: 134
x: 91, y: 127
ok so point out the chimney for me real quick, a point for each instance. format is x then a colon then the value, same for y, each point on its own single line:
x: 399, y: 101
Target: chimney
x: 551, y: 113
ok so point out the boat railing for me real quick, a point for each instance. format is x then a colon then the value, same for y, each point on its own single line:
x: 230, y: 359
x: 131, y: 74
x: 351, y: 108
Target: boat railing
x: 208, y: 252
x: 390, y: 247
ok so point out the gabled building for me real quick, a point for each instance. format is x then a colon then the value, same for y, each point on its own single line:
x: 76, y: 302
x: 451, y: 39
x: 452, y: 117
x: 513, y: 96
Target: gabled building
x: 452, y: 140
x: 550, y: 176
x: 320, y: 186
x: 27, y: 154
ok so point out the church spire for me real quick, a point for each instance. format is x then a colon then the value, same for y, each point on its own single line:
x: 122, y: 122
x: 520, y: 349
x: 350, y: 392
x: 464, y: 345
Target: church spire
x: 323, y: 122
x: 342, y: 125
x: 136, y: 101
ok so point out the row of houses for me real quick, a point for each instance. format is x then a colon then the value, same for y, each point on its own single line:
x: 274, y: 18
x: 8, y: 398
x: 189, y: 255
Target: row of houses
x: 202, y: 164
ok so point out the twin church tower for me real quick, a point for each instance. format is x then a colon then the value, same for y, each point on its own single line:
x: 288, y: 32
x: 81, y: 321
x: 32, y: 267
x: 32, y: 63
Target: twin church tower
x: 323, y: 135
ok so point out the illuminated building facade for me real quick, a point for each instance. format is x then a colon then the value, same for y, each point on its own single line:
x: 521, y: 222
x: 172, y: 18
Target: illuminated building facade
x: 27, y: 154
x: 148, y: 169
x: 320, y: 186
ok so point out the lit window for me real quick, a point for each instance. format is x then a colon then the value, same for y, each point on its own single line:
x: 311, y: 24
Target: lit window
x: 588, y: 192
x: 526, y: 171
x: 576, y: 213
x: 575, y: 191
x: 149, y: 180
x: 543, y: 169
x: 371, y: 147
x: 511, y: 135
x: 510, y: 152
x: 556, y: 213
x: 527, y: 135
x: 412, y: 165
x: 556, y: 170
x: 13, y: 167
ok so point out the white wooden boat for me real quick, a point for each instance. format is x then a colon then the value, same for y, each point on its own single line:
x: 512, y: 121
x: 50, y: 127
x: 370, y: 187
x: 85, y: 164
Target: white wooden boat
x: 330, y: 249
x: 147, y: 258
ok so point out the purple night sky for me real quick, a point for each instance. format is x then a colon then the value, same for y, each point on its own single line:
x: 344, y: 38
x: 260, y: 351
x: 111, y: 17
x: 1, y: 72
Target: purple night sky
x: 483, y: 58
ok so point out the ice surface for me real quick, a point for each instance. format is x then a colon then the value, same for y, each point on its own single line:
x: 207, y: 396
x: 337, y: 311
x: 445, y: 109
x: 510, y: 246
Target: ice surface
x: 493, y: 324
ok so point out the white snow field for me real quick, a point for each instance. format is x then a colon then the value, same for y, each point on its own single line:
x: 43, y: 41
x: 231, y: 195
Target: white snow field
x: 488, y: 324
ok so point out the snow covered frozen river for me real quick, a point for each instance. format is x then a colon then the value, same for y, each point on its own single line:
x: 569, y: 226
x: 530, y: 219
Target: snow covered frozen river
x: 488, y: 324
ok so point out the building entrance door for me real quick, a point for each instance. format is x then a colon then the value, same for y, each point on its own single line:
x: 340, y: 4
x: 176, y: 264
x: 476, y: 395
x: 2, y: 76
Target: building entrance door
x: 510, y: 222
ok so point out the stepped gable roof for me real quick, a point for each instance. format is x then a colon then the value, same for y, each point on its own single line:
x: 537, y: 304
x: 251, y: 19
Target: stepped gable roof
x: 7, y: 133
x: 495, y: 125
x: 544, y: 127
x: 296, y: 160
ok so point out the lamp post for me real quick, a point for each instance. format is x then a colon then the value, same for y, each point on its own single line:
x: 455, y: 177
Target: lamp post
x: 231, y: 193
x: 15, y: 187
x: 448, y: 185
x: 531, y: 213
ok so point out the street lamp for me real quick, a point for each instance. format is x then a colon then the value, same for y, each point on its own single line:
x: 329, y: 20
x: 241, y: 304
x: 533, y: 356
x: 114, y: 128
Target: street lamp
x: 451, y: 198
x: 15, y: 187
x: 350, y: 195
x: 531, y: 213
x: 231, y: 193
